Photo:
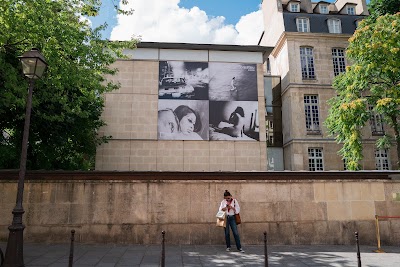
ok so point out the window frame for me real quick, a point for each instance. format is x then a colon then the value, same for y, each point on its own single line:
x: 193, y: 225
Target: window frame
x: 297, y: 5
x: 334, y: 28
x: 353, y: 12
x: 300, y: 22
x: 376, y: 122
x: 313, y: 164
x: 312, y: 114
x: 307, y: 63
x: 382, y: 161
x: 338, y: 60
x: 325, y: 6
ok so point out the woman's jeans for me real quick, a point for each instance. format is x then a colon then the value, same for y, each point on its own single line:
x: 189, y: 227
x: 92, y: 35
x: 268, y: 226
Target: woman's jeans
x: 230, y: 222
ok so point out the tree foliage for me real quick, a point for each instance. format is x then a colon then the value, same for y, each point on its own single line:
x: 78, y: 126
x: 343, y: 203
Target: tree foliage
x: 382, y: 7
x: 373, y: 80
x: 67, y: 102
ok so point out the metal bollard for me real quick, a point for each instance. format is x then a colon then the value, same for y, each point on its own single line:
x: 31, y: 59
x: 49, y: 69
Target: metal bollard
x: 265, y: 249
x: 1, y: 257
x: 163, y: 249
x: 358, y: 250
x: 71, y: 249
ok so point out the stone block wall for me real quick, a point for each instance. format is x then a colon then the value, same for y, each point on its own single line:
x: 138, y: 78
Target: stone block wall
x: 136, y: 211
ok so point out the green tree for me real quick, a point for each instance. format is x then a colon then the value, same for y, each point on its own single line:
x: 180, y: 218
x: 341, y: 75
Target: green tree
x: 67, y: 102
x: 373, y: 80
x: 382, y: 7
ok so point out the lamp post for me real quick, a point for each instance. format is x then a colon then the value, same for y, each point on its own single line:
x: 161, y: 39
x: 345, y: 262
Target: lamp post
x: 33, y: 67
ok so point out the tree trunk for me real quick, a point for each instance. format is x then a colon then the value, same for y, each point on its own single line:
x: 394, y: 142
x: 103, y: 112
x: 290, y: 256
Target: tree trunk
x: 397, y: 138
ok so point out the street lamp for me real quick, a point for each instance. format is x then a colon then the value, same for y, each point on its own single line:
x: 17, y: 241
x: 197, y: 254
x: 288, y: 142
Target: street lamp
x: 33, y: 67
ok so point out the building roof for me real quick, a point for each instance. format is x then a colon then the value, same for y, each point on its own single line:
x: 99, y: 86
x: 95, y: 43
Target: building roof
x: 218, y: 47
x: 318, y: 22
x: 346, y: 5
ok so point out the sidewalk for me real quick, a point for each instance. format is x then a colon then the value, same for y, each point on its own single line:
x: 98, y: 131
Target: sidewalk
x: 205, y: 255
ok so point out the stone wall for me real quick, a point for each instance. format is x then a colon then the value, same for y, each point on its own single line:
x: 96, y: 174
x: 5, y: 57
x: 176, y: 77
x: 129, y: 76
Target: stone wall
x: 133, y: 208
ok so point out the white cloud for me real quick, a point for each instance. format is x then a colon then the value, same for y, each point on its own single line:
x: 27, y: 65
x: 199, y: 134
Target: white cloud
x: 165, y: 21
x: 250, y: 28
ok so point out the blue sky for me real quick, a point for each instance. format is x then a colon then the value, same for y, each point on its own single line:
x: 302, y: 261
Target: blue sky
x: 232, y: 10
x: 187, y: 21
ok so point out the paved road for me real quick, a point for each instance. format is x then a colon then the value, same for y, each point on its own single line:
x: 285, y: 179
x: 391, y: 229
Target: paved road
x: 206, y: 255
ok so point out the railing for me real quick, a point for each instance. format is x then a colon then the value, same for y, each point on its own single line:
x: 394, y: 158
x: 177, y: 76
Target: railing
x: 378, y: 236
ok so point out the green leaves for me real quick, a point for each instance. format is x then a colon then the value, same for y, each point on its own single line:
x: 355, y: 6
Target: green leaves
x: 373, y: 80
x: 67, y: 103
x: 381, y: 7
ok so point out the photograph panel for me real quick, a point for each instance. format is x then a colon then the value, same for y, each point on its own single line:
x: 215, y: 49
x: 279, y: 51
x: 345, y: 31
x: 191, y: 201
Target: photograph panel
x: 234, y: 120
x: 183, y: 119
x: 183, y: 80
x: 232, y: 82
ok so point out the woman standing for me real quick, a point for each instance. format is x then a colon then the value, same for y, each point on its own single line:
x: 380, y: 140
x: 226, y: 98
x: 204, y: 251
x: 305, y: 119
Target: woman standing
x: 231, y: 207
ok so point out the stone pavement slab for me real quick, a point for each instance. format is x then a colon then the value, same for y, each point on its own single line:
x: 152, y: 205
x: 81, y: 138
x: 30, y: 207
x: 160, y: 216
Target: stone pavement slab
x: 41, y: 255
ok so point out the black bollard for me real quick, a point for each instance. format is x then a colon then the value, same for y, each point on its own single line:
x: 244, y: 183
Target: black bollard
x: 265, y: 249
x: 1, y: 257
x: 163, y: 249
x: 71, y: 249
x: 358, y: 250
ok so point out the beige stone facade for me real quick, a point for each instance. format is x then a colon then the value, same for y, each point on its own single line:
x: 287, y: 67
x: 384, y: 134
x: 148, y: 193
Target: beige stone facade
x: 131, y: 117
x: 285, y: 61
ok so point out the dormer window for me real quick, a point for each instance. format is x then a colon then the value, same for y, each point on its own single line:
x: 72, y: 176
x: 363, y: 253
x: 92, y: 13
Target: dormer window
x: 351, y: 10
x: 303, y: 25
x: 323, y: 9
x: 294, y: 7
x: 334, y: 26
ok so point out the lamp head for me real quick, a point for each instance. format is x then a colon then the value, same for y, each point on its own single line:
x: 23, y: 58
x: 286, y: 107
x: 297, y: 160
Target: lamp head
x: 33, y: 64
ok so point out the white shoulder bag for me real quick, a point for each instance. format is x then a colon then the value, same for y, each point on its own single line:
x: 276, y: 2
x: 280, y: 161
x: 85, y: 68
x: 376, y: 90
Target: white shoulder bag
x: 220, y: 215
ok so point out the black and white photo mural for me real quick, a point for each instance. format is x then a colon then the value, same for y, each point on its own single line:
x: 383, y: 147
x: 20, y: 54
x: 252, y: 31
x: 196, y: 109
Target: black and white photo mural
x: 183, y: 80
x: 232, y: 82
x: 183, y: 119
x: 234, y: 120
x: 207, y: 101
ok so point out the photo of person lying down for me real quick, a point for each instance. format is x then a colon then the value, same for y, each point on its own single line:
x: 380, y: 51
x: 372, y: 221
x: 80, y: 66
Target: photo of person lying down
x: 236, y: 120
x: 181, y: 122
